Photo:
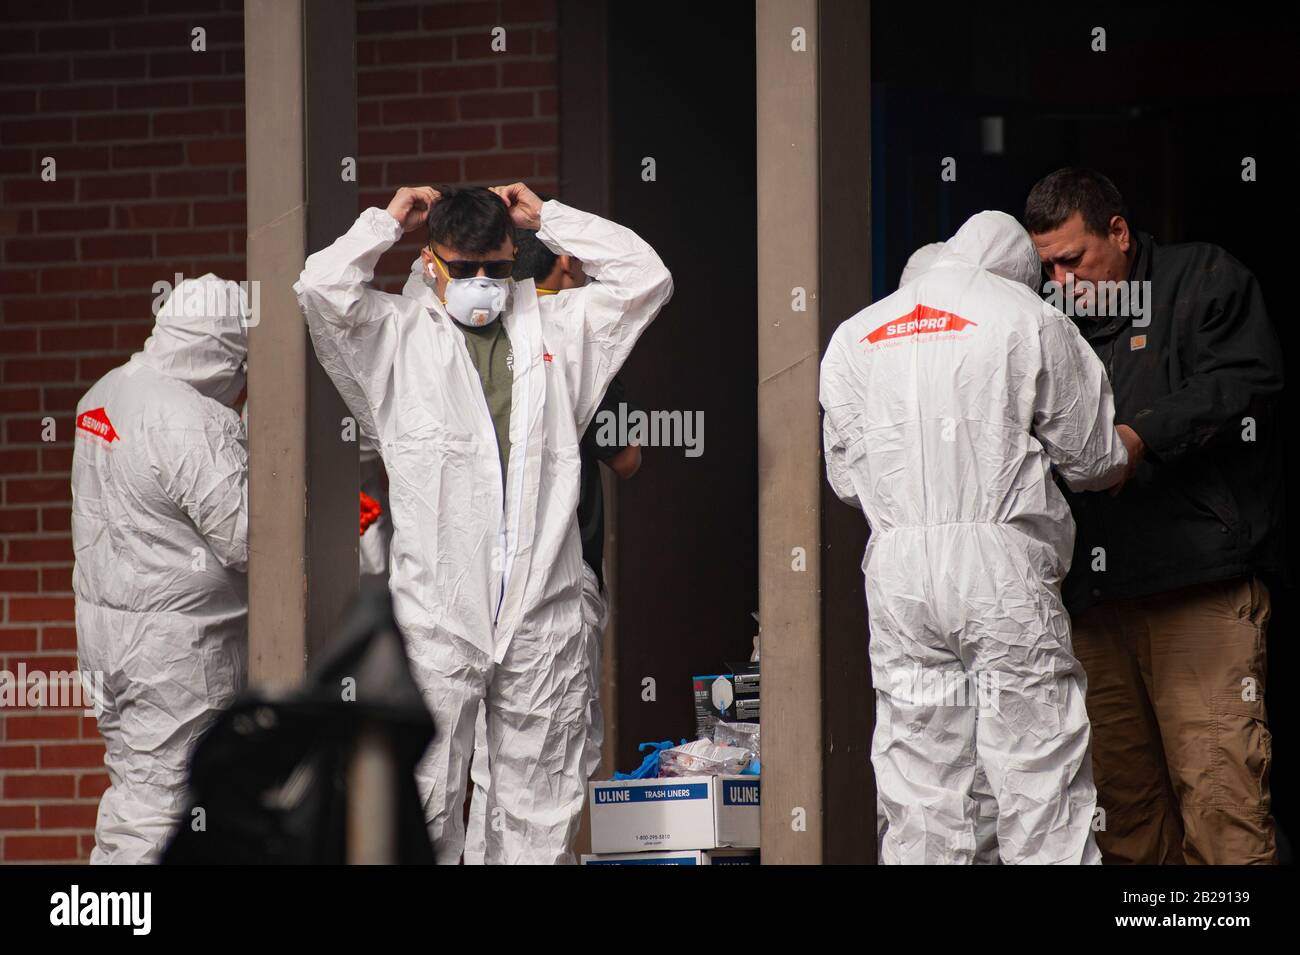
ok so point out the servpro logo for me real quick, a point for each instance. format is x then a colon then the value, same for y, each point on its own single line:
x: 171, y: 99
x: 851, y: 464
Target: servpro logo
x: 96, y: 422
x: 922, y: 320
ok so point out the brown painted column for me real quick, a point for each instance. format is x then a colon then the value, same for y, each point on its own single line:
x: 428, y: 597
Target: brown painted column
x: 301, y: 120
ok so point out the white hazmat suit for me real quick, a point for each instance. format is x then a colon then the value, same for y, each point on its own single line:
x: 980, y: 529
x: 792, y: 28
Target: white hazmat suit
x: 160, y: 530
x: 488, y: 591
x: 946, y: 406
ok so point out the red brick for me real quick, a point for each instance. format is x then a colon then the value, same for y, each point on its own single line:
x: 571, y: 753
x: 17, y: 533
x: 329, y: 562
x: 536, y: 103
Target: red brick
x: 104, y: 9
x: 128, y: 67
x: 40, y: 848
x: 154, y: 215
x: 545, y: 44
x: 18, y: 460
x: 420, y: 50
x: 41, y: 370
x: 92, y: 786
x: 44, y: 550
x: 17, y: 757
x: 116, y: 127
x: 17, y: 817
x: 478, y: 45
x: 14, y: 70
x: 55, y: 519
x: 17, y: 160
x: 56, y: 459
x: 23, y: 399
x: 387, y: 19
x: 499, y: 167
x: 62, y: 401
x: 70, y: 39
x: 105, y: 308
x: 153, y: 95
x: 35, y: 609
x: 79, y: 219
x: 207, y: 92
x: 20, y: 342
x: 160, y: 34
x: 459, y: 138
x: 525, y: 135
x: 74, y: 756
x: 130, y: 186
x: 188, y: 63
x: 36, y: 131
x: 40, y: 728
x: 93, y: 369
x: 45, y: 309
x: 75, y: 338
x: 56, y: 580
x: 60, y: 638
x: 193, y: 243
x: 29, y: 250
x: 19, y: 581
x: 70, y: 817
x: 445, y: 16
x: 530, y: 73
x: 144, y: 155
x: 219, y: 213
x: 548, y: 102
x: 131, y: 337
x: 17, y: 102
x: 495, y: 105
x: 528, y: 11
x: 207, y: 152
x: 76, y: 99
x: 427, y: 109
x: 387, y: 82
x: 451, y: 79
x: 199, y: 122
x: 422, y: 171
x: 17, y: 41
x: 38, y: 190
x: 17, y: 521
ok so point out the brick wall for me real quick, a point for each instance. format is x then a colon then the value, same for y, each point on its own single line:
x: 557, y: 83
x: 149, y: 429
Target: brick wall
x: 147, y: 137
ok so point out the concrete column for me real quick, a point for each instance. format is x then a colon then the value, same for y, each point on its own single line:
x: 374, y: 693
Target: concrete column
x: 301, y: 121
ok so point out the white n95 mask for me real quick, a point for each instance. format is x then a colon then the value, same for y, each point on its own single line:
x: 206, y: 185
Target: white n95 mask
x: 476, y: 301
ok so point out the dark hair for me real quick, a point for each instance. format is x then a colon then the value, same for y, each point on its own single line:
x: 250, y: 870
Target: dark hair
x: 472, y: 220
x: 1057, y: 197
x: 533, y: 259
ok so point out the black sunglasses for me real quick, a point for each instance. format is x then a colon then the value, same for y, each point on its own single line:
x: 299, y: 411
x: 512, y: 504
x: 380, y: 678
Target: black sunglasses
x: 468, y: 268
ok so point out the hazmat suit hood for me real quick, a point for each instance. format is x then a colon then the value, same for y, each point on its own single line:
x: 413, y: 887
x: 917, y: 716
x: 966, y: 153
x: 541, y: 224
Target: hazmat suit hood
x: 201, y: 337
x: 921, y: 261
x: 996, y: 242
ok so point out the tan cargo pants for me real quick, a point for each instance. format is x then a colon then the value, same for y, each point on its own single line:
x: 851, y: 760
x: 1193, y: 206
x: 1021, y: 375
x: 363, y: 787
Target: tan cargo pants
x: 1180, y: 743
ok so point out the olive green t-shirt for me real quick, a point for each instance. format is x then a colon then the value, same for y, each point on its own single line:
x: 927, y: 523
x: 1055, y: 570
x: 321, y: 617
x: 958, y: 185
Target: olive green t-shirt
x: 489, y: 350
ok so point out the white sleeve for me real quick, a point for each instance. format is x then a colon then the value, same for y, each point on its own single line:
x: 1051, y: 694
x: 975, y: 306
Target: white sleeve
x: 1074, y: 410
x: 600, y: 322
x: 207, y: 477
x: 351, y: 324
x: 835, y: 394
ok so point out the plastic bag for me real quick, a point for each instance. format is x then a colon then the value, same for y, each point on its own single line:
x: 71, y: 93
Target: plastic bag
x: 703, y: 758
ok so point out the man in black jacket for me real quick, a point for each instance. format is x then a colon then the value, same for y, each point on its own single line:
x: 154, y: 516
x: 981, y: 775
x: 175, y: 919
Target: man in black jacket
x: 1166, y: 588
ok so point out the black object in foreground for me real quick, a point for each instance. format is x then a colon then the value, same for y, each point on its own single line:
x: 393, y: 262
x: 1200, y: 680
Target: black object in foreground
x: 323, y: 775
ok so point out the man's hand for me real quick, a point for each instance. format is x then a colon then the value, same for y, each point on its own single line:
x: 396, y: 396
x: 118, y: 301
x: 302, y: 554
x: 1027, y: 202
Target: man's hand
x: 525, y: 208
x: 411, y: 204
x: 1136, y: 449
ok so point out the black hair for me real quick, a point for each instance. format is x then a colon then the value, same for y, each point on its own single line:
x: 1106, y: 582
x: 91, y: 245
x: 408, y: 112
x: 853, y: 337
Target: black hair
x: 533, y: 259
x: 472, y: 220
x: 1063, y: 193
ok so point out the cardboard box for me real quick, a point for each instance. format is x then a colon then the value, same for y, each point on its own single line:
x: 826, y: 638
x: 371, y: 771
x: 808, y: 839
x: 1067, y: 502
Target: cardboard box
x: 689, y: 857
x: 690, y: 812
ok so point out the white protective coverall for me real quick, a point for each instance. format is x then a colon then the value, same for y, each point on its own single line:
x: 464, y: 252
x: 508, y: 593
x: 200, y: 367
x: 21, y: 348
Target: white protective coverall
x: 488, y: 593
x: 986, y: 811
x: 946, y: 405
x: 160, y: 530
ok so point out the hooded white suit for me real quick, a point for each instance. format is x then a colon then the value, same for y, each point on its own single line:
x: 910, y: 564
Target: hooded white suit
x: 160, y: 530
x: 486, y: 590
x: 946, y: 406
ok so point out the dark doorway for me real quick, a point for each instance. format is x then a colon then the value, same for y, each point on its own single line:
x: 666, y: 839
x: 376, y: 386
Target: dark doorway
x: 682, y: 95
